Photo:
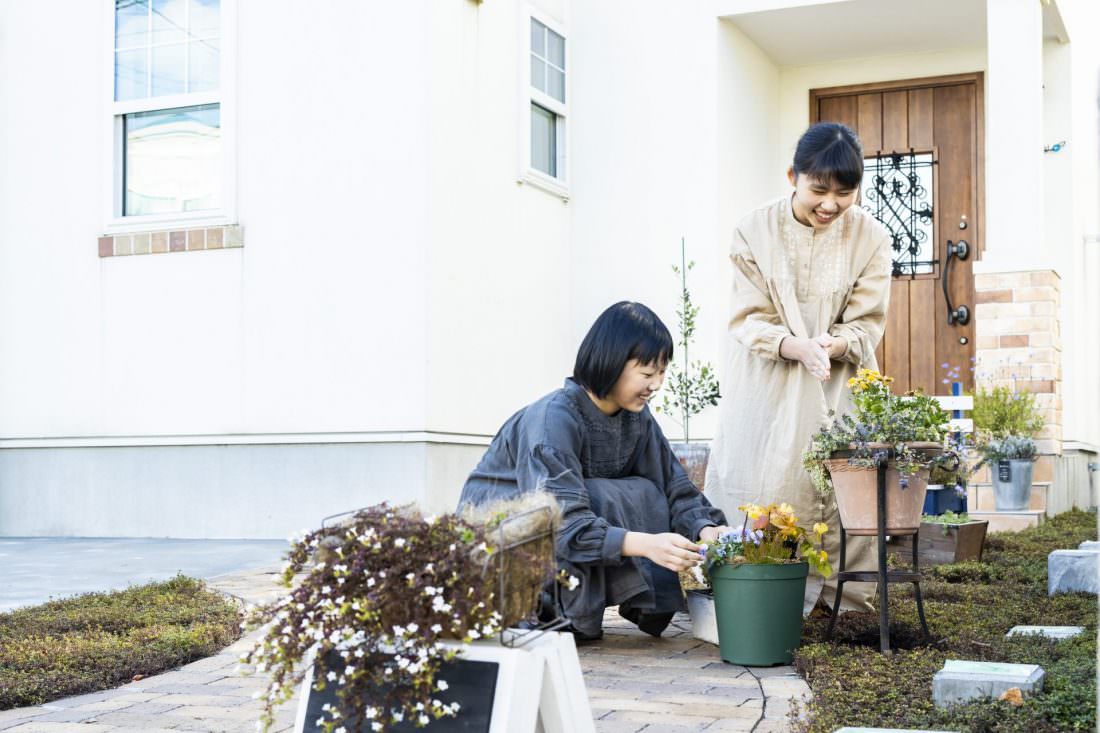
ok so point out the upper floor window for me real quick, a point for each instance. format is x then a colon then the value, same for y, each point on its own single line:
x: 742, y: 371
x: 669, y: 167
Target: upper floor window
x: 548, y: 108
x: 167, y: 111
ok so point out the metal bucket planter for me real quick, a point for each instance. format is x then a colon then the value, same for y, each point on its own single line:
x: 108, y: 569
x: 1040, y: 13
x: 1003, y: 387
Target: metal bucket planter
x: 1012, y: 485
x: 693, y: 457
x: 759, y: 610
x: 856, y: 490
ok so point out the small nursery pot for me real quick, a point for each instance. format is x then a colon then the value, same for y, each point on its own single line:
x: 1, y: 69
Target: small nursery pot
x: 759, y: 610
x: 856, y: 490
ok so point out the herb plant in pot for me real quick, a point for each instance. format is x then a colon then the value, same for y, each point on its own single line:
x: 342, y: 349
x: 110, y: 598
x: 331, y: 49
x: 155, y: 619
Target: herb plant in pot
x: 1007, y: 422
x: 758, y: 576
x: 951, y: 537
x: 1011, y: 461
x: 691, y: 385
x: 908, y: 431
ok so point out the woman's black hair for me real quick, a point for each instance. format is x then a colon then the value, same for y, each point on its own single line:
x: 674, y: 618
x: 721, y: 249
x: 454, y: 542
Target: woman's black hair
x: 623, y: 332
x: 831, y: 153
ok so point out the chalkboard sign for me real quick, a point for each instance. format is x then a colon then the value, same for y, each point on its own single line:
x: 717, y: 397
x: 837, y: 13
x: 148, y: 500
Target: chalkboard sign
x: 1004, y: 471
x: 471, y: 684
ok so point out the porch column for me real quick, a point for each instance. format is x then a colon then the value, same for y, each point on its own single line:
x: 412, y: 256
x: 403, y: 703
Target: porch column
x: 1014, y: 137
x: 1018, y: 291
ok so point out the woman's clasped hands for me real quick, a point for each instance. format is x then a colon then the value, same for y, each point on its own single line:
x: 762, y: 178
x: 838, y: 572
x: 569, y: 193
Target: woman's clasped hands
x: 815, y: 354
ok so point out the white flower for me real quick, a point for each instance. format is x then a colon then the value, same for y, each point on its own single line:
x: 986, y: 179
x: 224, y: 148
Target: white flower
x: 412, y: 628
x: 376, y: 726
x: 350, y: 669
x: 423, y: 719
x: 574, y: 581
x: 399, y: 542
x: 410, y: 577
x: 370, y: 582
x: 331, y: 677
x: 442, y: 684
x: 436, y: 628
x: 473, y: 634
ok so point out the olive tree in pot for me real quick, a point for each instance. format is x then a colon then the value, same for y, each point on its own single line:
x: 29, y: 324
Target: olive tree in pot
x: 692, y: 385
x: 1007, y: 422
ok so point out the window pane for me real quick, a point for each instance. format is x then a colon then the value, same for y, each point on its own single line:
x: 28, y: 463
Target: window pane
x: 538, y: 74
x: 172, y: 160
x: 538, y: 38
x: 203, y: 66
x: 131, y: 23
x: 556, y: 48
x: 204, y: 18
x: 131, y: 74
x: 169, y: 65
x: 544, y: 154
x: 555, y: 83
x: 169, y: 21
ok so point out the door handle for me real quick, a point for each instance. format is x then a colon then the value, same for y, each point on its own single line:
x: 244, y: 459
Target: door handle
x: 955, y: 250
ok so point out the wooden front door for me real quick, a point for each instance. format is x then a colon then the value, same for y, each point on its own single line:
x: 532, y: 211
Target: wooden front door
x: 922, y: 146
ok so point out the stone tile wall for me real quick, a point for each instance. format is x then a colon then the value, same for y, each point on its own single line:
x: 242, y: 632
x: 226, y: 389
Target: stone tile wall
x: 1019, y: 342
x: 180, y: 240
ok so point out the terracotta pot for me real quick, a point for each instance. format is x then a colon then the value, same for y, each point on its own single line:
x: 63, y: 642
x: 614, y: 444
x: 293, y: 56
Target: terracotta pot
x: 693, y: 457
x: 856, y: 490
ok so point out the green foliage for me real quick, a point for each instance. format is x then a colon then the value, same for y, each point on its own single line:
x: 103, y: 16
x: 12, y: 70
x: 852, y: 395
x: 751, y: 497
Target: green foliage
x: 969, y: 606
x: 1002, y: 412
x: 1009, y: 447
x: 101, y: 640
x: 692, y: 386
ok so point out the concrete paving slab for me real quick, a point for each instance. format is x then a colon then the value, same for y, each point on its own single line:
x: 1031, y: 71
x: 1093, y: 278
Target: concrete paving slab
x: 37, y: 569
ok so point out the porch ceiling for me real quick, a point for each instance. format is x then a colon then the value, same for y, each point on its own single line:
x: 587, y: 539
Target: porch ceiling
x: 846, y: 29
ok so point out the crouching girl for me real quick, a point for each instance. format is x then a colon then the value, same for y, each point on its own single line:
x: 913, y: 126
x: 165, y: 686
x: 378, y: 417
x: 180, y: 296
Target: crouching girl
x: 630, y: 515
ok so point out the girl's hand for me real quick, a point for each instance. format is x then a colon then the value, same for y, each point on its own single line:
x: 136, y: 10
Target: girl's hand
x: 668, y: 549
x: 711, y: 534
x: 809, y: 353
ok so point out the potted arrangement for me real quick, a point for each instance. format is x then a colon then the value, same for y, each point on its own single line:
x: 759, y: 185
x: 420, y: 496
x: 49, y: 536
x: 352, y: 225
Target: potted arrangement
x: 946, y: 486
x: 951, y: 537
x: 1006, y: 422
x: 909, y: 431
x: 378, y: 596
x: 1011, y: 460
x: 691, y: 385
x: 758, y: 577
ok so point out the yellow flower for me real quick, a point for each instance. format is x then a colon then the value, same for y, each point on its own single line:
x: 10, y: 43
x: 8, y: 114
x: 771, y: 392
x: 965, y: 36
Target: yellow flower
x: 754, y: 511
x: 821, y: 528
x: 786, y: 508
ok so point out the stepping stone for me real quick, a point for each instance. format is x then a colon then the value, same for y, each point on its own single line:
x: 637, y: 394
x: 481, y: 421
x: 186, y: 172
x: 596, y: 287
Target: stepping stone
x: 1091, y: 545
x: 1051, y: 632
x: 959, y: 680
x: 1071, y: 571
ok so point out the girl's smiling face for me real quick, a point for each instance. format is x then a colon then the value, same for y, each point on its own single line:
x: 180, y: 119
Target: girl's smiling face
x: 634, y: 388
x: 819, y: 203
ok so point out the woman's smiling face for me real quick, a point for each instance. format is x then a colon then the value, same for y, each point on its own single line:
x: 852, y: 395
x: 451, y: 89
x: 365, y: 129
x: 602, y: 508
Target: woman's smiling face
x: 819, y: 203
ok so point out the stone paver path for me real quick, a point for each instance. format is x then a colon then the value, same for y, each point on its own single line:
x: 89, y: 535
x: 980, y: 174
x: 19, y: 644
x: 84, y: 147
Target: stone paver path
x: 635, y: 683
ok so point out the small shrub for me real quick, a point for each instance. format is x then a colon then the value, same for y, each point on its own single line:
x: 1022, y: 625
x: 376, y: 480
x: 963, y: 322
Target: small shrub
x: 970, y: 571
x: 1003, y: 411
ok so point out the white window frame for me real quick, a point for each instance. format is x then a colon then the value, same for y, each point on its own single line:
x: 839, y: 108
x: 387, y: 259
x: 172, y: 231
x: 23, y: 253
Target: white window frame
x: 559, y: 186
x: 113, y: 143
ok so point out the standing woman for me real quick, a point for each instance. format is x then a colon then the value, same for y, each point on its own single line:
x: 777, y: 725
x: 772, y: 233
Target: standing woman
x: 630, y: 514
x: 811, y: 285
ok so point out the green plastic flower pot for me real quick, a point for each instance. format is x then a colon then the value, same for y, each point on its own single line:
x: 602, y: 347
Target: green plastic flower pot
x: 759, y: 610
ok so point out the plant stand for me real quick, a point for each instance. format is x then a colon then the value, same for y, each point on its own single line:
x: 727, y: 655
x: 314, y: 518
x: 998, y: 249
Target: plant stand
x: 882, y: 576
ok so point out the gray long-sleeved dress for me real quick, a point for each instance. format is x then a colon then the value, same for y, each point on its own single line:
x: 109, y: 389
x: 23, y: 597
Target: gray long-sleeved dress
x: 610, y: 474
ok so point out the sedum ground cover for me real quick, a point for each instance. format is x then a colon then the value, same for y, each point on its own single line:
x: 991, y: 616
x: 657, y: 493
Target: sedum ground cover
x: 969, y: 607
x: 101, y: 640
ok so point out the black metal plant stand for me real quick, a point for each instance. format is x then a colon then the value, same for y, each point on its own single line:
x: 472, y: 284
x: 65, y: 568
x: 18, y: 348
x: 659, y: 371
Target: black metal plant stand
x: 882, y: 576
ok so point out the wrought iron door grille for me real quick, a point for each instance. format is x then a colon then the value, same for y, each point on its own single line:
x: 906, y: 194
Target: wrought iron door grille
x: 897, y: 190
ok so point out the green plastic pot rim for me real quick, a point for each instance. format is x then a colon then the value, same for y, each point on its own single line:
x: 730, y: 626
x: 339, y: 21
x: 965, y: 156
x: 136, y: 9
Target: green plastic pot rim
x: 761, y: 570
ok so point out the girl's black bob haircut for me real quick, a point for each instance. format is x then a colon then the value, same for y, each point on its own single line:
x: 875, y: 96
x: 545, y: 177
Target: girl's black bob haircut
x: 623, y: 332
x: 831, y: 153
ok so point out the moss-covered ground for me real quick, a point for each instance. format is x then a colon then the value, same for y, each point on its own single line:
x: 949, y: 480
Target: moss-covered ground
x: 101, y: 640
x: 969, y: 607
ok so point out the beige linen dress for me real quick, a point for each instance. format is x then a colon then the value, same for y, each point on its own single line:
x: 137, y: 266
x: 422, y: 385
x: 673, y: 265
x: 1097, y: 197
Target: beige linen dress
x: 790, y: 280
